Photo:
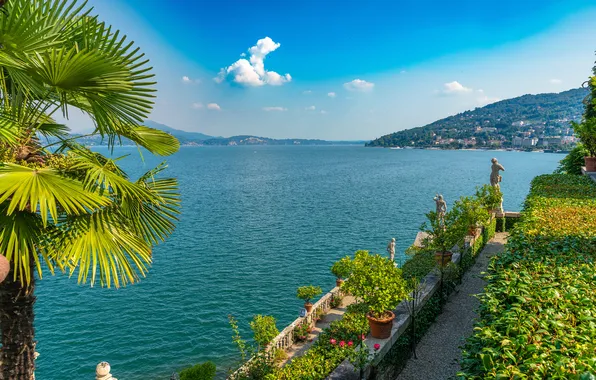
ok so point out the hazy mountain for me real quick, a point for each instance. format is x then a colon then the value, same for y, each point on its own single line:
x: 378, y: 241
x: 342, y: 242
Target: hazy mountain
x: 183, y: 136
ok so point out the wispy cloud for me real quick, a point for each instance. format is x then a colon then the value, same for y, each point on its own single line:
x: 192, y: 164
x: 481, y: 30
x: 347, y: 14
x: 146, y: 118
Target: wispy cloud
x: 359, y: 85
x: 555, y: 81
x: 310, y: 108
x: 307, y: 92
x: 323, y: 112
x: 197, y: 106
x: 213, y: 107
x: 274, y: 109
x: 188, y: 80
x: 331, y: 94
x: 252, y: 72
x: 454, y: 88
x: 484, y: 100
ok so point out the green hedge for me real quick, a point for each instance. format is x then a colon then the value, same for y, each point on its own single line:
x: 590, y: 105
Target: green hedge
x: 538, y: 312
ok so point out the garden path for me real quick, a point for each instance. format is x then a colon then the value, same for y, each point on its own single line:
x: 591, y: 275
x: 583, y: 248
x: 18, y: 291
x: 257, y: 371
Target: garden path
x: 299, y: 349
x: 438, y: 353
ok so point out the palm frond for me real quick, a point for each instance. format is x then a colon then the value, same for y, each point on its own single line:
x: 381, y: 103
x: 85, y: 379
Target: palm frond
x: 23, y: 238
x: 42, y: 190
x: 102, y: 247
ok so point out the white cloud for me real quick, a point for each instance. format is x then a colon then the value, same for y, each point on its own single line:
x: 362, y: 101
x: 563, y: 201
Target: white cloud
x: 359, y: 85
x: 307, y: 92
x: 187, y: 79
x: 197, y: 106
x: 323, y: 112
x: 270, y: 109
x: 455, y: 88
x: 310, y: 108
x: 252, y: 72
x: 480, y: 90
x: 243, y: 54
x: 331, y: 94
x: 402, y: 72
x: 213, y: 106
x: 556, y: 81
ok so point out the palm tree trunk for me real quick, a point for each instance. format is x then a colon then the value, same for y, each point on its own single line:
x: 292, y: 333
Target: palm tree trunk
x: 17, y: 354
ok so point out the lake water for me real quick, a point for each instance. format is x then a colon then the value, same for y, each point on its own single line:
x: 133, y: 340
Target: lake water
x: 256, y: 223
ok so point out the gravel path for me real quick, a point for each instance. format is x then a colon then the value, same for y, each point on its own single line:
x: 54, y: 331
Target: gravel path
x: 438, y: 352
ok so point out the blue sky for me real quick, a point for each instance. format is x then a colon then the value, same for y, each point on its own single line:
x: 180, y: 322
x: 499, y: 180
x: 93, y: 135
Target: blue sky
x: 349, y: 69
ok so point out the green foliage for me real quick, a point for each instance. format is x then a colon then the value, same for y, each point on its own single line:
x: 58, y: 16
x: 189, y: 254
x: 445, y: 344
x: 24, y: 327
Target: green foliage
x: 307, y: 293
x: 301, y: 332
x: 419, y: 265
x: 470, y: 212
x: 573, y: 162
x: 237, y: 339
x: 586, y: 131
x: 264, y: 329
x: 377, y: 282
x: 204, y: 371
x: 489, y: 197
x: 537, y: 312
x: 443, y: 235
x: 336, y: 300
x: 342, y: 268
x: 540, y: 109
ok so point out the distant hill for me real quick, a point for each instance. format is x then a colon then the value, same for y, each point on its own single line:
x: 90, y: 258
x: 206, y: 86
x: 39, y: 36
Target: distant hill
x: 529, y: 116
x: 255, y: 140
x: 183, y: 136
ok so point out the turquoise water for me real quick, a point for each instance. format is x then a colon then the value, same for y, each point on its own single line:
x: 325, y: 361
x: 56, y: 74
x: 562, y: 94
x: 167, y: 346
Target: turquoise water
x: 256, y: 223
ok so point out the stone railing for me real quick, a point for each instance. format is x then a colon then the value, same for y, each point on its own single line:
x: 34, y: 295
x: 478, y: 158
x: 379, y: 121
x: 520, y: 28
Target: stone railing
x: 285, y: 339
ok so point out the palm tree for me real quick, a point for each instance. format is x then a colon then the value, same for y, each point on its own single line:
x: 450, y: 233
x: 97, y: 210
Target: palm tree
x: 64, y: 206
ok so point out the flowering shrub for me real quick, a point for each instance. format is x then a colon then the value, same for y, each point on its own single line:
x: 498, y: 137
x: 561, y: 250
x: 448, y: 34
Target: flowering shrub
x: 538, y: 310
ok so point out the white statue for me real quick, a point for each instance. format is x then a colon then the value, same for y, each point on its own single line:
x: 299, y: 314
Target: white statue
x: 495, y: 177
x: 441, y: 208
x: 391, y: 249
x: 102, y: 372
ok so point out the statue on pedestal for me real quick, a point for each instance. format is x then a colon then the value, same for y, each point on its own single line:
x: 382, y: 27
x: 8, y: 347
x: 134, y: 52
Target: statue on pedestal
x: 441, y: 208
x: 102, y: 372
x: 391, y: 249
x: 495, y: 177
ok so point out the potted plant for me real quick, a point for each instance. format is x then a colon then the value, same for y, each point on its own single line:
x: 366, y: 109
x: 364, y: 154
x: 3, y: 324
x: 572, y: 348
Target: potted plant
x: 379, y: 284
x: 489, y: 198
x: 470, y: 213
x: 307, y: 293
x: 586, y: 131
x: 341, y: 269
x: 443, y: 234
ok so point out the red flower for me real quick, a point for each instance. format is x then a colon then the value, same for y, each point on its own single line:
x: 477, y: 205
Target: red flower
x: 350, y: 343
x: 342, y: 343
x: 362, y: 337
x: 332, y: 341
x: 377, y: 346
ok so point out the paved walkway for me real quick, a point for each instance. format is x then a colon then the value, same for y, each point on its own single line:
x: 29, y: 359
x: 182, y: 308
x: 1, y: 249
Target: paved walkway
x: 438, y: 352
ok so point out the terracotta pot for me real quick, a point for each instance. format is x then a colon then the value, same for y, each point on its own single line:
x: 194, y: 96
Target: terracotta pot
x: 380, y: 328
x: 590, y: 164
x: 443, y: 258
x: 338, y: 282
x: 308, y: 307
x: 472, y: 230
x: 4, y: 268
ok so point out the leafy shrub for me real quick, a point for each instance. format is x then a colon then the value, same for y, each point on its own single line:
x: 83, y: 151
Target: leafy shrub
x: 377, y: 282
x: 342, y: 268
x: 489, y: 197
x: 204, y: 371
x: 586, y: 131
x: 538, y: 311
x: 573, y: 161
x: 419, y: 265
x: 264, y: 329
x: 307, y: 293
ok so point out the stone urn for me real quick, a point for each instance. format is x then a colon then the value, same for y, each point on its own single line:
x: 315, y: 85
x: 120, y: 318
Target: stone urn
x: 4, y: 268
x: 590, y: 164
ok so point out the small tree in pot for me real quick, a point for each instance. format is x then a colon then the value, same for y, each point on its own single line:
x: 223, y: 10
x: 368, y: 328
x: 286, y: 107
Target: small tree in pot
x: 471, y: 213
x: 586, y: 131
x: 307, y: 293
x: 443, y: 234
x: 341, y: 269
x: 489, y: 197
x: 264, y: 330
x: 380, y: 285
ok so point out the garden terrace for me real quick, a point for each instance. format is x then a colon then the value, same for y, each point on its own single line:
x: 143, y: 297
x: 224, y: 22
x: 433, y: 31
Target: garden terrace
x: 538, y: 312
